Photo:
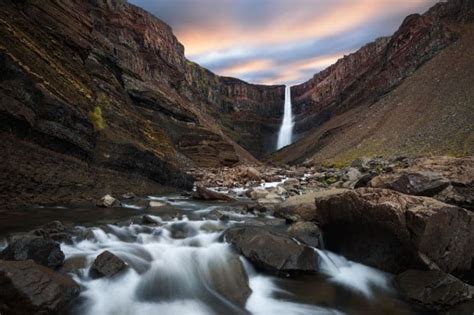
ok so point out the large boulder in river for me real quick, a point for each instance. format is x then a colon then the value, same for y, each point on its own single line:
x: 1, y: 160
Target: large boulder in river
x: 203, y: 193
x: 28, y: 288
x: 43, y: 251
x: 107, y: 265
x: 271, y: 251
x: 306, y: 232
x: 394, y: 232
x: 433, y: 290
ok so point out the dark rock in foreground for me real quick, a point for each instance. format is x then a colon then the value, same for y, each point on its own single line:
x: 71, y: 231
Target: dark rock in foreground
x: 271, y: 251
x: 43, y: 251
x: 433, y: 290
x: 107, y: 265
x: 28, y: 288
x: 395, y: 232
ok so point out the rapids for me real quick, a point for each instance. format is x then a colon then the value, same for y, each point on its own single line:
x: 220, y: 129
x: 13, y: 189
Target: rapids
x: 182, y: 266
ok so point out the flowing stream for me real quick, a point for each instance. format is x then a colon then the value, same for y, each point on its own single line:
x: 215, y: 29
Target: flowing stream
x: 285, y: 136
x: 183, y: 266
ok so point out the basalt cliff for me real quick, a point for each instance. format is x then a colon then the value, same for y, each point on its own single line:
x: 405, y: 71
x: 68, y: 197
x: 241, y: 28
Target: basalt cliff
x: 410, y: 93
x: 98, y: 96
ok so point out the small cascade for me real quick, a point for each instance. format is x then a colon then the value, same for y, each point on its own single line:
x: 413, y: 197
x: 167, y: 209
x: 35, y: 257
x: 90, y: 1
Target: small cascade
x: 355, y: 276
x: 285, y: 135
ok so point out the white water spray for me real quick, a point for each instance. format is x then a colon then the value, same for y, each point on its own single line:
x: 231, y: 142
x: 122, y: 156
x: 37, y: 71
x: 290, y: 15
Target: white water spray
x: 286, y: 131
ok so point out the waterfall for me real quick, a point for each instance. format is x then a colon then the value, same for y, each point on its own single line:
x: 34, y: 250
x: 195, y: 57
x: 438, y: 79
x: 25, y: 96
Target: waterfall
x: 286, y: 130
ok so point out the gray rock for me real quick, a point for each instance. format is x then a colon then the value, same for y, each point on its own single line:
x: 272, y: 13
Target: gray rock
x: 107, y: 201
x: 271, y: 251
x: 106, y: 265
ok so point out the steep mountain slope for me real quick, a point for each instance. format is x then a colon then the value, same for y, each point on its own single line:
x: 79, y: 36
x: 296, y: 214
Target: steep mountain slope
x: 411, y: 93
x: 97, y: 96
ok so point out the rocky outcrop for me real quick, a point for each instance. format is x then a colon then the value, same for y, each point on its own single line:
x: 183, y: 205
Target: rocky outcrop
x: 447, y: 179
x: 28, y: 288
x: 370, y: 72
x: 105, y: 94
x: 433, y: 290
x: 271, y: 251
x: 395, y: 232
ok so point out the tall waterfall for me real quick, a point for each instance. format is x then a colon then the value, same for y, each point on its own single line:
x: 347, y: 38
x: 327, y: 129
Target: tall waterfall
x: 286, y: 129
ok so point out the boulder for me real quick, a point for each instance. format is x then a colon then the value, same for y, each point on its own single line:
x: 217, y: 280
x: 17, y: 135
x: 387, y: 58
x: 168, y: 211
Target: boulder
x: 433, y: 290
x: 45, y: 252
x: 108, y: 201
x: 412, y: 183
x: 352, y: 174
x: 394, y: 232
x: 156, y: 204
x: 301, y: 207
x: 364, y: 180
x: 147, y: 219
x: 230, y: 280
x: 447, y: 179
x: 257, y: 193
x: 54, y: 230
x: 251, y: 173
x: 106, y: 265
x: 306, y: 232
x: 271, y: 251
x: 203, y: 193
x: 29, y: 288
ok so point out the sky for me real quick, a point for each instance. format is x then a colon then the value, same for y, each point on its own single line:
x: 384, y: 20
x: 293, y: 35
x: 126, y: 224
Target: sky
x: 278, y: 41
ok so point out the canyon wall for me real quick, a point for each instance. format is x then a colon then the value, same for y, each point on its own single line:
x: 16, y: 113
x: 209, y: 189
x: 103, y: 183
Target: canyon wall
x: 97, y: 96
x: 349, y: 109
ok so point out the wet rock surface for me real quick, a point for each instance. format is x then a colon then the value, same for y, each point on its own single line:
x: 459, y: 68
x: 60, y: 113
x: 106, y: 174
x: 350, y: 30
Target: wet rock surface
x: 433, y: 290
x: 43, y: 251
x: 389, y: 230
x: 107, y: 265
x: 29, y: 288
x: 271, y: 251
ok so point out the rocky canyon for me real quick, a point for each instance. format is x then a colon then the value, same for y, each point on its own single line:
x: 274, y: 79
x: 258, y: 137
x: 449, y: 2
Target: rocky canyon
x: 134, y: 180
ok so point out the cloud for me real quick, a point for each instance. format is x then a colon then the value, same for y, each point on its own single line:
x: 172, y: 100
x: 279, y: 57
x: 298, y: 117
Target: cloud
x: 278, y: 41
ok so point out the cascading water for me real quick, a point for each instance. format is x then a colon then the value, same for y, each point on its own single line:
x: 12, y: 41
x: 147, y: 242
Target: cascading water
x: 182, y: 266
x: 286, y: 130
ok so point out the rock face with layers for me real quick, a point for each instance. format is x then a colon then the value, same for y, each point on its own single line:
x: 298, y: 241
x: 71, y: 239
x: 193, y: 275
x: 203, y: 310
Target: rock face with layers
x: 368, y: 102
x: 104, y: 100
x: 394, y: 232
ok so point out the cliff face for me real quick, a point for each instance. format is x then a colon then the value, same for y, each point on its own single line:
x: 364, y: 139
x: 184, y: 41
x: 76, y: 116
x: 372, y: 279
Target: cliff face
x: 366, y: 75
x: 97, y: 96
x: 357, y: 107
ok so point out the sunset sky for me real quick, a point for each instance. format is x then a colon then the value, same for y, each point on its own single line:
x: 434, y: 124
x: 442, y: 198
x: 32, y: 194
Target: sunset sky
x: 278, y: 41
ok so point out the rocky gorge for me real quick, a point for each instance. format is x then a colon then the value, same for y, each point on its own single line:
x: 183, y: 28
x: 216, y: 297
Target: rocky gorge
x: 133, y: 180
